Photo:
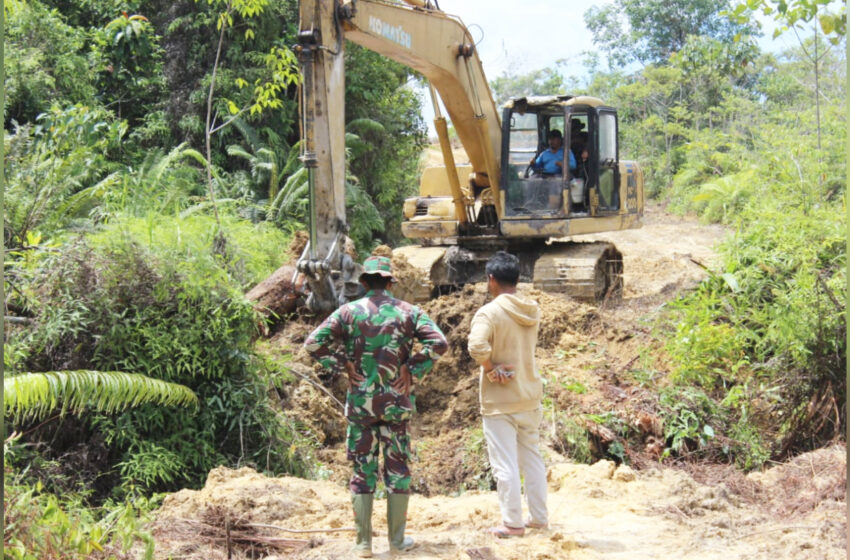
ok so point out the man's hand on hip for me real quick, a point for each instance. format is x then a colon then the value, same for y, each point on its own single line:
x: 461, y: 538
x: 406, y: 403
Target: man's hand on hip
x: 353, y: 376
x: 404, y: 381
x: 501, y: 374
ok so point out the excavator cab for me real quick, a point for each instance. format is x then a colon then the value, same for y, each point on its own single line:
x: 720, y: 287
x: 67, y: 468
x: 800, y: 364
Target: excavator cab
x: 587, y: 187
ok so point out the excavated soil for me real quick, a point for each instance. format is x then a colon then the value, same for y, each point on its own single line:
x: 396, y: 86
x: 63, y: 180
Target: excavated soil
x: 597, y: 512
x: 584, y: 352
x: 587, y: 355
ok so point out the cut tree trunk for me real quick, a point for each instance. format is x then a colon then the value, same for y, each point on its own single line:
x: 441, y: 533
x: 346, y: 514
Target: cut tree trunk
x: 280, y: 294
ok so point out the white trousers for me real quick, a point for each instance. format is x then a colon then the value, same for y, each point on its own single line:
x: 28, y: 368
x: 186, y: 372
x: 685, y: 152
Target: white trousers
x: 512, y: 445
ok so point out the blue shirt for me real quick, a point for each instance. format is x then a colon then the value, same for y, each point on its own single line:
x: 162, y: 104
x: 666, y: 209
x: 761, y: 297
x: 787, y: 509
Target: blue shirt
x: 548, y: 158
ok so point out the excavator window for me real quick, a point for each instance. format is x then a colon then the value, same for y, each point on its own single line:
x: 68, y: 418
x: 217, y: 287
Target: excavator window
x: 527, y: 190
x: 523, y: 141
x: 555, y: 122
x: 609, y: 168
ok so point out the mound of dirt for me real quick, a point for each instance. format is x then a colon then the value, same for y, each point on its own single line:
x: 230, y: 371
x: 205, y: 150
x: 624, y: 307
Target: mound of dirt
x: 453, y: 314
x: 238, y: 506
x: 572, y: 354
x: 448, y: 397
x: 560, y: 316
x: 299, y: 242
x: 382, y: 251
x: 597, y: 512
x: 411, y: 283
x: 799, y: 486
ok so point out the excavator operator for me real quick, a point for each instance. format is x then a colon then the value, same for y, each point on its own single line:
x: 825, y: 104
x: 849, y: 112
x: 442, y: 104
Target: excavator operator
x: 551, y: 161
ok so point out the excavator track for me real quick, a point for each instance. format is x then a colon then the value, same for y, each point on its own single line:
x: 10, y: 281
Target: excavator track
x: 591, y: 271
x: 584, y: 271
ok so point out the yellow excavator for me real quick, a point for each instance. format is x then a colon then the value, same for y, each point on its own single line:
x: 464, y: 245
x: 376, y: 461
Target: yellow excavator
x: 465, y: 212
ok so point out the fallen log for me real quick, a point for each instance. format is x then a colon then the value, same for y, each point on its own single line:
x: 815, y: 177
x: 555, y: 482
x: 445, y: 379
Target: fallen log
x: 280, y: 294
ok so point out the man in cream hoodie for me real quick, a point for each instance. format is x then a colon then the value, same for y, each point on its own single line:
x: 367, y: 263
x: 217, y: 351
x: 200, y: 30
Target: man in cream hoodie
x: 502, y: 339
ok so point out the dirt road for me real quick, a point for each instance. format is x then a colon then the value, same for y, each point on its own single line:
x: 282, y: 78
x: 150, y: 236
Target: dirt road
x: 599, y: 511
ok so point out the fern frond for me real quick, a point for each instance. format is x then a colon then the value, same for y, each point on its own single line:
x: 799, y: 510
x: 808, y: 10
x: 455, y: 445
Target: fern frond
x: 32, y: 396
x: 291, y: 193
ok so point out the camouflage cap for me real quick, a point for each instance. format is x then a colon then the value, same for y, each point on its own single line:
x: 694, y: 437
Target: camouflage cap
x: 380, y: 266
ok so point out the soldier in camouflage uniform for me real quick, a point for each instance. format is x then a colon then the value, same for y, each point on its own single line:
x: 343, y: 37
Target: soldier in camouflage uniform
x: 371, y: 340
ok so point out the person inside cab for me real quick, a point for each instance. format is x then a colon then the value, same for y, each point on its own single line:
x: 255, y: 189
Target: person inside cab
x: 551, y: 161
x: 578, y: 138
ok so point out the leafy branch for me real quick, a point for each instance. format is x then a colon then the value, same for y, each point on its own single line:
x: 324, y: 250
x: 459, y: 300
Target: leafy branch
x: 34, y: 395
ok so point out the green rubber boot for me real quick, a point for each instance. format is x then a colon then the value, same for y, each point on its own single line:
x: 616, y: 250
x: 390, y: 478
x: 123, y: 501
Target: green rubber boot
x: 363, y: 522
x: 397, y: 521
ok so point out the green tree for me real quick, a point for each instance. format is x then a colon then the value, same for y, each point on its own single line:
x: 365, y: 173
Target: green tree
x: 648, y: 31
x: 712, y: 71
x: 44, y: 62
x: 92, y: 14
x: 831, y: 15
x: 129, y: 64
x: 545, y: 81
x: 279, y: 62
x: 795, y: 15
x: 655, y: 106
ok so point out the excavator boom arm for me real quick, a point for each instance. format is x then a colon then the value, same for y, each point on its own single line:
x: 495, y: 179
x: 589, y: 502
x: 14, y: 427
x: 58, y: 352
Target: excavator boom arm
x: 435, y: 44
x: 441, y: 48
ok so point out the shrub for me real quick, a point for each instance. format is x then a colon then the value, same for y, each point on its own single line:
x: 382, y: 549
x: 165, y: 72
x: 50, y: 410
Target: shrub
x: 172, y: 309
x: 44, y: 526
x: 773, y: 323
x: 65, y: 152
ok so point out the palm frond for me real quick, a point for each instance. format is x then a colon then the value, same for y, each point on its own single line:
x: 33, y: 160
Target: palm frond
x: 363, y: 216
x: 32, y: 396
x: 238, y: 151
x: 292, y: 159
x: 248, y: 132
x: 356, y: 146
x: 366, y: 126
x: 287, y: 199
x: 88, y: 195
x: 725, y: 194
x: 164, y: 163
x: 194, y: 154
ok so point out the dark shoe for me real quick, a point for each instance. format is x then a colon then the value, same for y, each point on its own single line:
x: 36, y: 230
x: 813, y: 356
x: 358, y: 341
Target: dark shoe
x: 363, y: 522
x: 397, y: 521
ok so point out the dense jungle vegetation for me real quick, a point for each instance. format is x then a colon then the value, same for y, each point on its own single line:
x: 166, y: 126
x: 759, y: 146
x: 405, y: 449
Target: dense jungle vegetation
x: 152, y: 179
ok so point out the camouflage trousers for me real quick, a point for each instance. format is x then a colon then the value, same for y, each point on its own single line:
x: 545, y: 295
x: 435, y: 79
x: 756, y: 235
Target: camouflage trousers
x: 363, y: 439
